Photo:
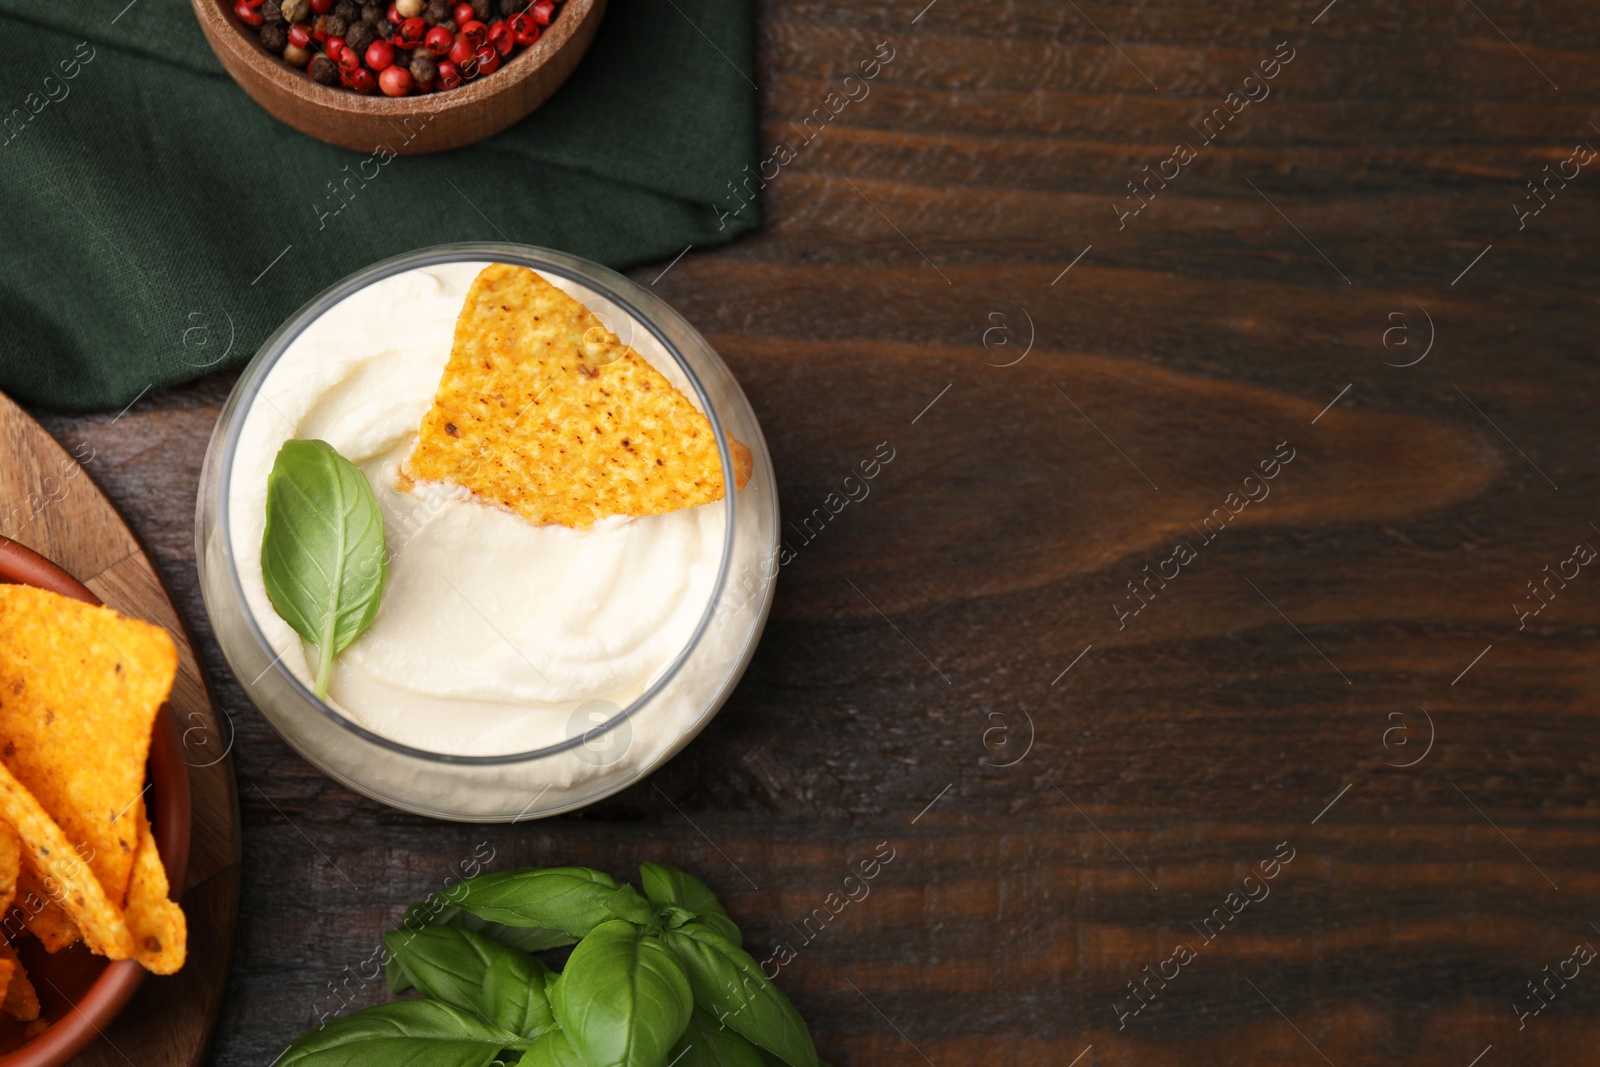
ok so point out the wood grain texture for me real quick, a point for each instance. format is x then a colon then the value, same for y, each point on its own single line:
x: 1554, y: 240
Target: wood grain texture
x: 919, y: 631
x: 50, y: 503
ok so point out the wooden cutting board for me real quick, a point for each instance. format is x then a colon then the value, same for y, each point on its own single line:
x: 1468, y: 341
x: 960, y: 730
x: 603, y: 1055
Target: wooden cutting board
x: 49, y: 502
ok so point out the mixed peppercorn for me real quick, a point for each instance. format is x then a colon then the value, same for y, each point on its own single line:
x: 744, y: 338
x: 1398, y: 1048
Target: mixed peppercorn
x: 400, y: 47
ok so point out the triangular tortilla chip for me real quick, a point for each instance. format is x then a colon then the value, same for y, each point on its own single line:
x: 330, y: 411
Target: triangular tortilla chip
x: 544, y: 412
x: 18, y: 998
x: 79, y: 690
x: 21, y: 999
x: 71, y: 881
x: 41, y: 916
x: 10, y: 968
x: 160, y: 933
x: 10, y: 866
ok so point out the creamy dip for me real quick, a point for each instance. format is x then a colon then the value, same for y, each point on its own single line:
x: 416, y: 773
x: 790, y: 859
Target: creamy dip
x: 494, y: 636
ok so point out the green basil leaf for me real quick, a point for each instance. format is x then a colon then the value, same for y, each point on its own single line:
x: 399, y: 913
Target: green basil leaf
x: 622, y: 1000
x: 626, y: 903
x: 569, y: 900
x: 672, y: 917
x: 552, y: 1050
x: 666, y: 885
x: 406, y: 1031
x: 475, y: 974
x: 707, y: 1043
x: 514, y: 987
x: 729, y: 984
x: 526, y: 938
x: 322, y: 554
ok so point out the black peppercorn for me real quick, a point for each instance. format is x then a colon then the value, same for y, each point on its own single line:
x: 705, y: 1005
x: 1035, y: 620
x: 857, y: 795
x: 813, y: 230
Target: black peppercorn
x: 348, y: 10
x: 384, y: 28
x: 512, y: 7
x: 359, y: 36
x: 324, y: 70
x: 335, y: 26
x: 271, y: 11
x: 274, y: 37
x: 438, y: 11
x: 483, y: 9
x: 424, y: 68
x: 371, y: 13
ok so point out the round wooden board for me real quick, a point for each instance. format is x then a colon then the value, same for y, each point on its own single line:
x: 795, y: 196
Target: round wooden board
x: 49, y: 503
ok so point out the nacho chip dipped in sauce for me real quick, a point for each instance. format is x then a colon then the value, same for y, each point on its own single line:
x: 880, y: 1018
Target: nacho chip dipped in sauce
x: 544, y: 412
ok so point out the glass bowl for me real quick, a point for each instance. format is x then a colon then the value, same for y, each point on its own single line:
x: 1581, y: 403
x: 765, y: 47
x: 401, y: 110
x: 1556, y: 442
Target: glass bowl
x: 601, y: 747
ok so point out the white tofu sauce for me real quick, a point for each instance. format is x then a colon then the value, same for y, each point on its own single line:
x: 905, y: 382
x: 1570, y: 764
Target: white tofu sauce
x: 493, y: 634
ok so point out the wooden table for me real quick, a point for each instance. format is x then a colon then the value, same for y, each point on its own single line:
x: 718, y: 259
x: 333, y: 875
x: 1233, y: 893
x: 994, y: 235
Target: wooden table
x: 1347, y: 669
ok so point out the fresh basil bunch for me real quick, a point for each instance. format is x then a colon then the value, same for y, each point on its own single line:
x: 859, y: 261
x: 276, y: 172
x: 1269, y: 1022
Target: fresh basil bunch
x: 654, y: 980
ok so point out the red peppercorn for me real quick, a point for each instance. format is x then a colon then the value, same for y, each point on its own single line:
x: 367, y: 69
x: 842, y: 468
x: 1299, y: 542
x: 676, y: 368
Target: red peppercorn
x: 488, y: 59
x: 523, y: 29
x: 393, y: 14
x: 247, y: 14
x: 380, y: 55
x: 449, y: 75
x: 333, y: 46
x: 543, y: 12
x: 299, y: 36
x: 501, y: 39
x: 348, y: 59
x: 361, y: 80
x: 395, y: 81
x: 461, y: 54
x: 439, y: 40
x: 412, y: 32
x: 464, y: 14
x: 473, y: 31
x: 321, y: 7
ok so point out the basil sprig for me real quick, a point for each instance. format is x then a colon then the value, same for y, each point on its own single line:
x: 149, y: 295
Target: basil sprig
x: 323, y: 559
x: 654, y: 979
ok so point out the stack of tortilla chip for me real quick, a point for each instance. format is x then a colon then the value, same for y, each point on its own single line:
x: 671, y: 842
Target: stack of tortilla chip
x: 542, y: 411
x: 79, y: 690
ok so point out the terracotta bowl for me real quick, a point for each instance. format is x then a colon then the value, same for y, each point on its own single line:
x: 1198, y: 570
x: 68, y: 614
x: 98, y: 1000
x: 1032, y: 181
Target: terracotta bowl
x: 406, y: 125
x: 79, y: 992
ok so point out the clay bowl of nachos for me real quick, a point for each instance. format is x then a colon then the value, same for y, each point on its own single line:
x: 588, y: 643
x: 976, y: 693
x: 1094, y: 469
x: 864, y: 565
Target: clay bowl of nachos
x: 83, y: 714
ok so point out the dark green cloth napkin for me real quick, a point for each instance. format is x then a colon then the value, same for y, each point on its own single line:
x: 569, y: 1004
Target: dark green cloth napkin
x: 158, y: 224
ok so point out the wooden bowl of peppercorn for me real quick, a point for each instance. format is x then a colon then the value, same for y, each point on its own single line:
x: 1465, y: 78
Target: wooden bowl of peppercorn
x: 407, y: 124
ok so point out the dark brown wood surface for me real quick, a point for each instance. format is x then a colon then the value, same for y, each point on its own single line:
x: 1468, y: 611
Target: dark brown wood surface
x: 50, y: 503
x: 914, y: 249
